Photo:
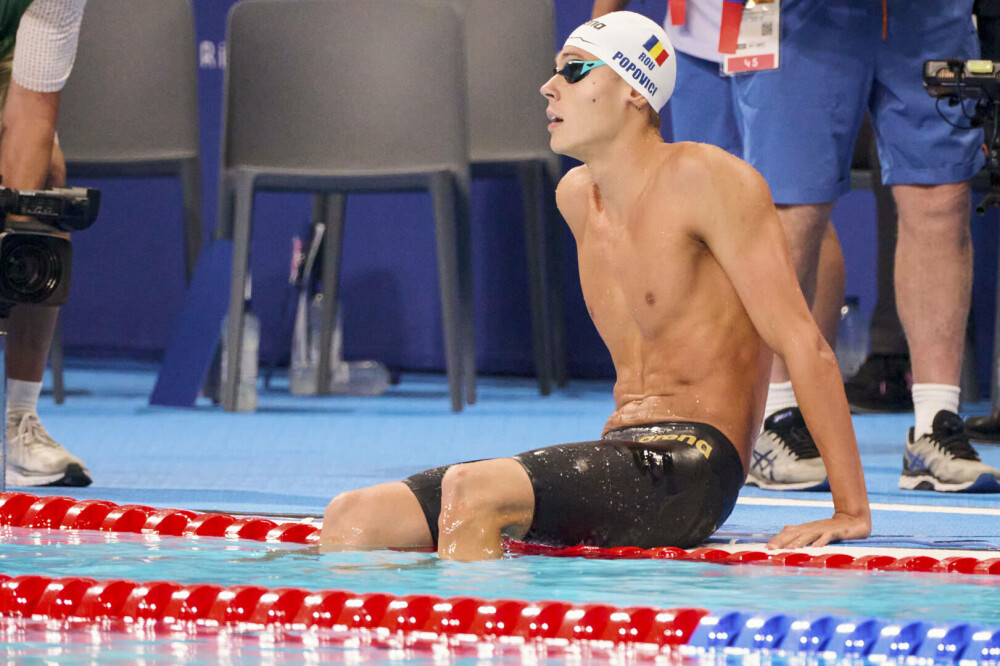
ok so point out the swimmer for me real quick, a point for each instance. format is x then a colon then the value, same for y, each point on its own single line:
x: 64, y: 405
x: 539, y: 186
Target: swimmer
x: 687, y: 276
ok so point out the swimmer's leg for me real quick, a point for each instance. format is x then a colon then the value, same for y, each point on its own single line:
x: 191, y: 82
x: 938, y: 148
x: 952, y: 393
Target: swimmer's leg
x: 480, y: 503
x: 384, y: 516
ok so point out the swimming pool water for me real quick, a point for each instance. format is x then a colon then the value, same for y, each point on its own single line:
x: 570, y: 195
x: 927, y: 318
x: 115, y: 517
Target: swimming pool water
x: 659, y: 583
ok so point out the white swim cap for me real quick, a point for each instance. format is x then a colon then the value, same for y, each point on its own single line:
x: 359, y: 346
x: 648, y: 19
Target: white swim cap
x: 635, y: 47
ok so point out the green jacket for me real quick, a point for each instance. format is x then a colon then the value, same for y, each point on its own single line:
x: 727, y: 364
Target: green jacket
x: 11, y: 12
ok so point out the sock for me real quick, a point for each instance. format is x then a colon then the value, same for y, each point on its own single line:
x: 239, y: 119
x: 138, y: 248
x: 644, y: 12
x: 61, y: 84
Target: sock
x: 22, y: 396
x: 779, y: 396
x: 928, y: 400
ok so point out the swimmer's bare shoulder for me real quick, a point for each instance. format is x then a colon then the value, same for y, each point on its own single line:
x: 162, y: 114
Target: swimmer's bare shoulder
x: 720, y: 186
x: 573, y: 198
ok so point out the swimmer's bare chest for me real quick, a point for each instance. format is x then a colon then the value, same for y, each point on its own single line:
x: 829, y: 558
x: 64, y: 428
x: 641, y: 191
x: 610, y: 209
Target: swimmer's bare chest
x: 635, y: 279
x: 641, y: 278
x: 682, y: 344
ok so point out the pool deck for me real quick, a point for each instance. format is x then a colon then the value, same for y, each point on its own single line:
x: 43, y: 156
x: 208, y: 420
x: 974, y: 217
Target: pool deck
x: 294, y: 454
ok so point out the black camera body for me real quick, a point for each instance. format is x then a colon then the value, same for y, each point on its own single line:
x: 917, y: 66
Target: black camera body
x: 979, y: 81
x: 35, y: 260
x: 962, y: 79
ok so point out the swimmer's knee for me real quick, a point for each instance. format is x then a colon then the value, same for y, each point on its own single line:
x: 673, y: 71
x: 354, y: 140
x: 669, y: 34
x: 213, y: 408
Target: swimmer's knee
x: 465, y: 491
x: 346, y: 508
x: 345, y: 520
x: 480, y: 489
x: 467, y: 487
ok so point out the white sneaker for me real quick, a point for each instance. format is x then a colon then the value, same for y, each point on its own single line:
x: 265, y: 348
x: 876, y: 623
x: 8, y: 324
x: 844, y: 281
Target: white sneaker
x: 944, y: 460
x: 35, y: 459
x: 785, y: 456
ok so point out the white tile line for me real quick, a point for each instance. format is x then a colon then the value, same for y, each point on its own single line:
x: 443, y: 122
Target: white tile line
x: 858, y: 551
x: 740, y: 544
x: 875, y: 506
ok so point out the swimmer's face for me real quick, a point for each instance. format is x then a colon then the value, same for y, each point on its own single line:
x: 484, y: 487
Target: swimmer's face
x: 586, y: 110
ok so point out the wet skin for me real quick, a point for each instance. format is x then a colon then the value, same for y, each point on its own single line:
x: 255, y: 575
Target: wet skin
x: 683, y: 345
x: 687, y: 276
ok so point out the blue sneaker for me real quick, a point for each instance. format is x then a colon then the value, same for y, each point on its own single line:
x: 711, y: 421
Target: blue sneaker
x: 785, y: 456
x: 944, y: 460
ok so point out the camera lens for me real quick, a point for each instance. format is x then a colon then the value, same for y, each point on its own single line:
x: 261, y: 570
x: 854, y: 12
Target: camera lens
x: 30, y: 270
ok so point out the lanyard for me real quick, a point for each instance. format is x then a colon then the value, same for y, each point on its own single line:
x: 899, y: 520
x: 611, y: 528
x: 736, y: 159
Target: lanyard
x: 729, y: 30
x: 678, y: 11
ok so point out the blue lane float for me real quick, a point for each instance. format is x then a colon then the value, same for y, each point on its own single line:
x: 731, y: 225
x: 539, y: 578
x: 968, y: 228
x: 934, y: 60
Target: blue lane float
x: 876, y: 640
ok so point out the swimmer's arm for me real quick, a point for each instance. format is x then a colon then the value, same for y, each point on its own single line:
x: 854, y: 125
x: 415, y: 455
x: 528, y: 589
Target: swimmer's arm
x: 743, y: 232
x: 602, y: 7
x: 572, y: 199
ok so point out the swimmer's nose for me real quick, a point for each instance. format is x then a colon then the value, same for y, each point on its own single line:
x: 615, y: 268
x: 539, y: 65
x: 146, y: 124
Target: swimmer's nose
x: 548, y: 88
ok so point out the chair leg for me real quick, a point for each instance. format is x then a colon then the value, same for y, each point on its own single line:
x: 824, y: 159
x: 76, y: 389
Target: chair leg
x: 443, y: 195
x: 552, y: 230
x: 463, y: 232
x: 56, y: 359
x: 242, y: 227
x: 329, y: 210
x: 191, y: 188
x: 530, y: 176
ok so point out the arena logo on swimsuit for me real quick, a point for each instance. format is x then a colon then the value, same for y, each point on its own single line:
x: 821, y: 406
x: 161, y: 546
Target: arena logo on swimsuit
x: 704, y: 447
x: 632, y: 69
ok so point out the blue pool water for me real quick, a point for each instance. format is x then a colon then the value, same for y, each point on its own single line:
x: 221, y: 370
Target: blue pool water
x: 659, y: 583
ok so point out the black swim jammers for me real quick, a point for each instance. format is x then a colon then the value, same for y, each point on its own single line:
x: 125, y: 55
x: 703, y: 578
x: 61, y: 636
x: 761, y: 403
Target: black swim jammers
x: 660, y: 484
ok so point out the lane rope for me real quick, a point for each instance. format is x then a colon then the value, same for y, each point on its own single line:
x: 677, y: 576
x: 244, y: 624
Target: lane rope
x: 384, y: 620
x: 336, y: 617
x: 66, y: 513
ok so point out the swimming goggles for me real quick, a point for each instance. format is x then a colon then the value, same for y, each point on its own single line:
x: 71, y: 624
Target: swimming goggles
x: 575, y: 70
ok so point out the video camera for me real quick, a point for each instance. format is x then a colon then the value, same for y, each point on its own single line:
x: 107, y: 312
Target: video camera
x: 35, y: 261
x: 977, y: 80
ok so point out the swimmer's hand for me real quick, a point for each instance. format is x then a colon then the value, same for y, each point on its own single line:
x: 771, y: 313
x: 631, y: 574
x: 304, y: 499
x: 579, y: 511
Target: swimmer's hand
x: 821, y: 532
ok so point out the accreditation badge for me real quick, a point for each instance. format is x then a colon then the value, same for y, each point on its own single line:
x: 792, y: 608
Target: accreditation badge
x: 757, y: 44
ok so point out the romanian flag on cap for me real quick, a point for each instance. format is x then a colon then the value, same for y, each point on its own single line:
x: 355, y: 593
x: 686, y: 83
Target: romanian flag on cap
x: 655, y: 49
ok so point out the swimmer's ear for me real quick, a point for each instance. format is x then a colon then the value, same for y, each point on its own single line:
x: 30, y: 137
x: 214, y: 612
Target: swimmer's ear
x: 636, y: 99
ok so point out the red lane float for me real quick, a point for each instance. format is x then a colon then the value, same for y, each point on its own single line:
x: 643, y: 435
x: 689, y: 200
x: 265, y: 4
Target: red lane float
x: 104, y: 600
x: 25, y: 510
x: 126, y: 518
x: 46, y: 512
x: 168, y: 522
x: 420, y: 617
x: 86, y: 515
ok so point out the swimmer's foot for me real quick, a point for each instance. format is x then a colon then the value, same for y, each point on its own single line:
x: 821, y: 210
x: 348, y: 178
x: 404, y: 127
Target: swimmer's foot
x: 944, y: 460
x: 785, y: 456
x: 881, y: 385
x: 35, y: 459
